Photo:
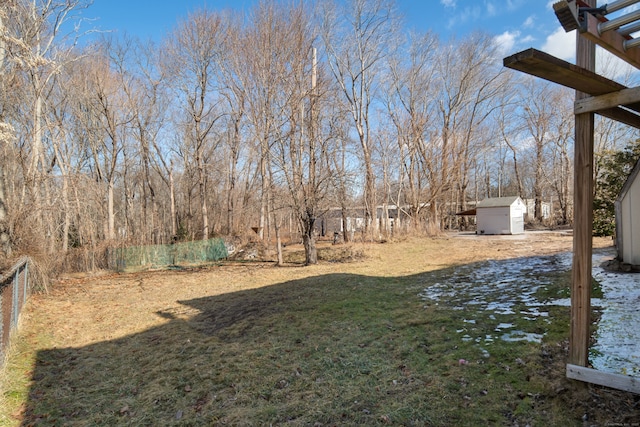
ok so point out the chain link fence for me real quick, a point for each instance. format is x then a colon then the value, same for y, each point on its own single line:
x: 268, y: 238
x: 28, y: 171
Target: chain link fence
x: 14, y: 290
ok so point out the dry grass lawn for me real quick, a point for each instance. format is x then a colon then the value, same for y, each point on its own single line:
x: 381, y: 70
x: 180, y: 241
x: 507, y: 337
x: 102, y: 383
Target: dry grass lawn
x: 248, y: 343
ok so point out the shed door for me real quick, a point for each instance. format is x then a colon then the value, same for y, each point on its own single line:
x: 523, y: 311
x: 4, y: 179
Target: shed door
x: 517, y: 224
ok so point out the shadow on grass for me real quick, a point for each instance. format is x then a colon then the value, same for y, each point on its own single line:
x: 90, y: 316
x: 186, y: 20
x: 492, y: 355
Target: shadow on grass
x: 337, y: 349
x: 272, y: 354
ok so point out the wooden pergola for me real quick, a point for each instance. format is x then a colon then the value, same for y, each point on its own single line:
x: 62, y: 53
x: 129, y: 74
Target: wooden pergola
x: 595, y: 94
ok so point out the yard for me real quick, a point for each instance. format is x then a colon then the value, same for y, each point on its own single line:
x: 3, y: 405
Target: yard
x: 409, y: 332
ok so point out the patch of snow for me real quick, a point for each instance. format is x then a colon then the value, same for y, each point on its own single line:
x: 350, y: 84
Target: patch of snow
x: 502, y: 326
x: 508, y: 288
x: 617, y: 339
x: 522, y: 336
x: 499, y: 287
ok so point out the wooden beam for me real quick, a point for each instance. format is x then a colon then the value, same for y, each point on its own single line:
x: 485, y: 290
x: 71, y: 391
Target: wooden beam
x: 582, y: 215
x: 548, y: 67
x: 556, y: 70
x: 594, y: 104
x: 610, y: 40
x: 592, y: 376
x: 622, y: 116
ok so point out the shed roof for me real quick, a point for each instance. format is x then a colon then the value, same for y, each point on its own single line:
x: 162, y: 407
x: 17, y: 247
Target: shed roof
x: 497, y: 202
x: 469, y: 212
x: 627, y: 184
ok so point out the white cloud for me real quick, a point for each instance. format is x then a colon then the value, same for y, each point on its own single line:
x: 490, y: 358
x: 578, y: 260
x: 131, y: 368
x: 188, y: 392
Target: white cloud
x: 561, y: 44
x: 505, y: 42
x: 448, y: 3
x: 491, y: 9
x: 530, y: 22
x: 514, y: 4
x: 466, y: 15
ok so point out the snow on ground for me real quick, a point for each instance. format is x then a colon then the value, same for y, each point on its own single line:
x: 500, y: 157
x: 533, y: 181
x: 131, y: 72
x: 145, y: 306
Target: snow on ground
x: 506, y: 292
x: 617, y: 345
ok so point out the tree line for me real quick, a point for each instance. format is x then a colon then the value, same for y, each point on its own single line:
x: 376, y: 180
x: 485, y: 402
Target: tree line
x: 237, y: 124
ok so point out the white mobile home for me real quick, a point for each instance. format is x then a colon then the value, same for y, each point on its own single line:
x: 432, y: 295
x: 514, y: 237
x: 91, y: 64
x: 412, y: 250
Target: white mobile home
x: 628, y: 220
x: 501, y: 215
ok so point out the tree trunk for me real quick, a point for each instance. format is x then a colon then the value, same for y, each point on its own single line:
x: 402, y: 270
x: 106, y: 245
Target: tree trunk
x: 67, y: 213
x: 309, y: 242
x: 172, y: 201
x: 231, y: 193
x: 371, y: 210
x: 345, y: 225
x: 36, y: 149
x: 433, y: 222
x: 111, y: 221
x: 203, y: 199
x: 5, y: 236
x: 537, y: 185
x: 263, y: 197
x: 280, y: 261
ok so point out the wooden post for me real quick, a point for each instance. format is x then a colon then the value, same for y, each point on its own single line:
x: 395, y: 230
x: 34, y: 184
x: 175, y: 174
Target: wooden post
x: 582, y: 217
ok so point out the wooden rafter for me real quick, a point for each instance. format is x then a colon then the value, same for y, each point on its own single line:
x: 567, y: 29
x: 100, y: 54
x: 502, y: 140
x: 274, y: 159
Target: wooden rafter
x: 550, y: 68
x: 556, y: 70
x: 626, y: 97
x: 611, y: 41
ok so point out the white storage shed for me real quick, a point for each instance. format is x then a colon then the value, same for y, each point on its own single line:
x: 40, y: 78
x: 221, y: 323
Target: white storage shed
x: 628, y: 219
x: 501, y: 215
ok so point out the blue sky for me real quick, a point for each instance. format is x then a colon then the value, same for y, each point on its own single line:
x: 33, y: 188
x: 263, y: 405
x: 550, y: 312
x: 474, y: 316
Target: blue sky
x: 517, y: 24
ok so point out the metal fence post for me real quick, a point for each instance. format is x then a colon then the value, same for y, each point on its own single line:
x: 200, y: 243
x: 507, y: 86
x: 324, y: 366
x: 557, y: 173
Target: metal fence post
x: 15, y: 309
x: 26, y: 282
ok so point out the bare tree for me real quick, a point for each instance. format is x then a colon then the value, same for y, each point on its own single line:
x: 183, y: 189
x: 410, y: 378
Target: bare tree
x: 6, y: 138
x: 143, y: 83
x: 57, y: 126
x: 487, y: 81
x: 471, y: 83
x: 104, y: 114
x: 358, y: 35
x: 34, y: 41
x: 410, y: 107
x: 263, y: 52
x: 538, y: 114
x: 193, y: 52
x: 341, y: 158
x: 510, y: 127
x: 299, y: 153
x: 237, y: 122
x: 558, y: 173
x: 234, y: 94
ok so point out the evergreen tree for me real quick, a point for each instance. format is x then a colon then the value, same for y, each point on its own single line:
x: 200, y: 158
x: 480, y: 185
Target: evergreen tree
x: 614, y: 168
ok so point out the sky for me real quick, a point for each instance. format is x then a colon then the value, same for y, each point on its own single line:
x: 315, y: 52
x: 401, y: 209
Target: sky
x: 516, y: 24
